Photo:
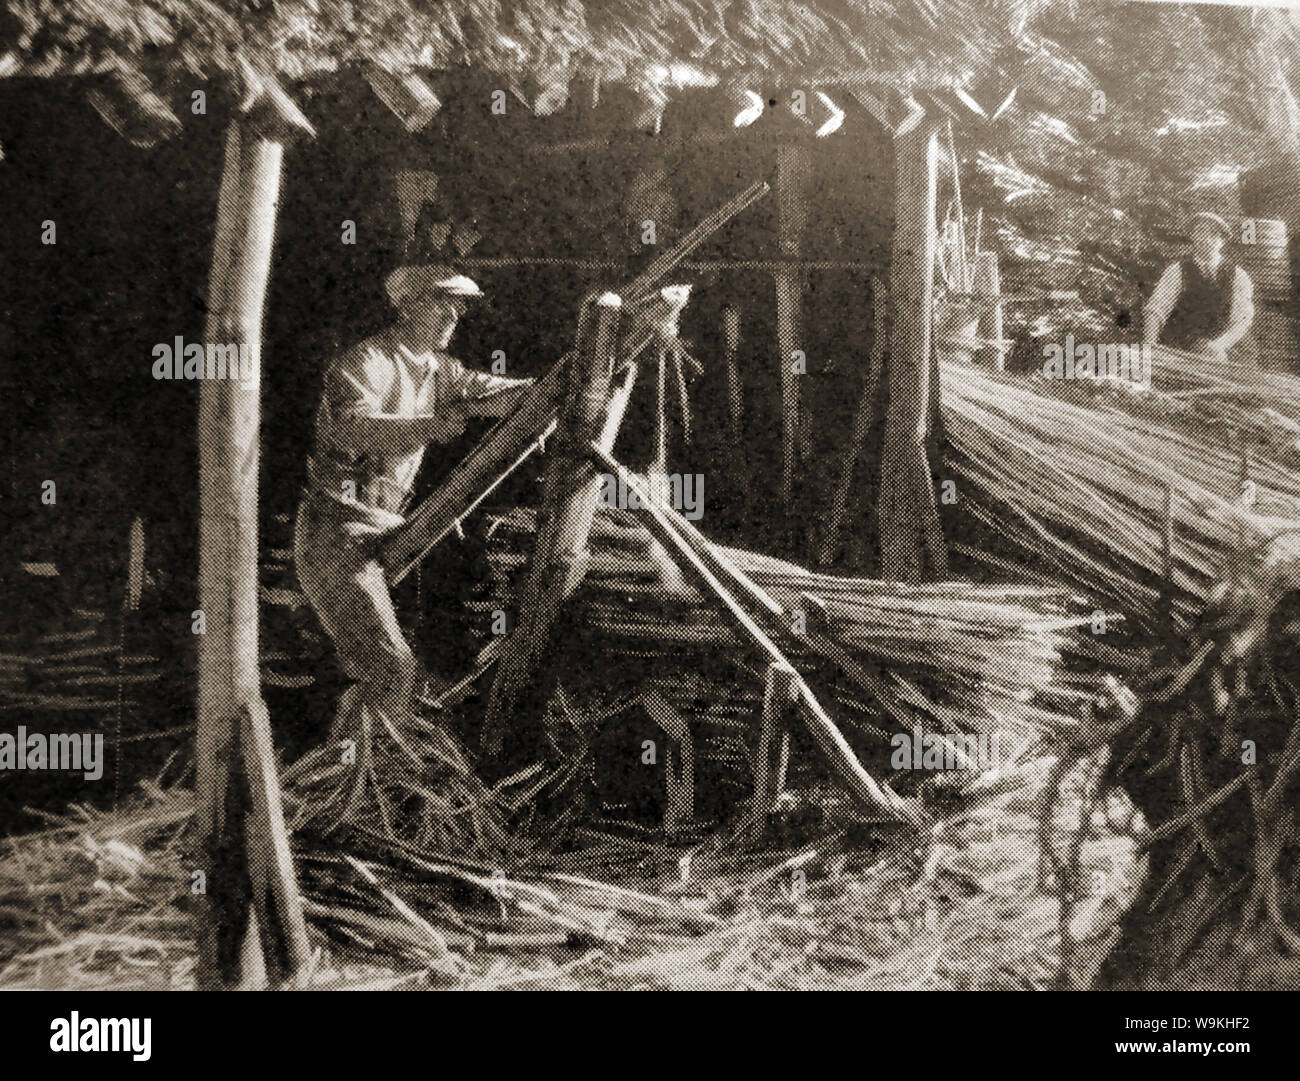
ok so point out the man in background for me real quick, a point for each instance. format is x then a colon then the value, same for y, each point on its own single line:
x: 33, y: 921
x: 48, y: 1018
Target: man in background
x: 1204, y: 303
x: 383, y: 401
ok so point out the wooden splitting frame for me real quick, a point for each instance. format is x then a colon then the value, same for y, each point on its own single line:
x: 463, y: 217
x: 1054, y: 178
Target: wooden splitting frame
x: 711, y: 569
x: 512, y: 440
x: 559, y: 560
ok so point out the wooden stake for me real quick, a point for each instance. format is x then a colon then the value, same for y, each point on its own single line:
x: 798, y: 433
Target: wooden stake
x: 244, y: 856
x: 572, y: 487
x: 861, y: 426
x: 987, y: 289
x: 780, y: 691
x: 909, y: 518
x: 135, y: 566
x: 679, y: 814
x: 963, y: 269
x: 735, y: 391
x: 737, y: 467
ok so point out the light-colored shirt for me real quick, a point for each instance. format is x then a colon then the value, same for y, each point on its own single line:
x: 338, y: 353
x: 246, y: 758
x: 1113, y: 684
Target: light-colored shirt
x: 382, y: 377
x: 1165, y: 296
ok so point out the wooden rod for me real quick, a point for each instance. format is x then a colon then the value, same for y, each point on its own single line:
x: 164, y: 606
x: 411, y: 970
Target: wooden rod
x: 680, y: 812
x: 735, y: 390
x: 988, y: 288
x: 793, y: 174
x: 780, y: 692
x: 668, y: 260
x: 736, y: 458
x: 861, y: 427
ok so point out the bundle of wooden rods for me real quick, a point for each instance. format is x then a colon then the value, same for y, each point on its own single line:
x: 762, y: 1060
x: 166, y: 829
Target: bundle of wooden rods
x: 950, y: 656
x: 1178, y: 504
x: 1145, y: 515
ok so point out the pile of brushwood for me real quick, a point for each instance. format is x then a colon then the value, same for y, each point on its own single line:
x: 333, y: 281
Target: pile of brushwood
x: 1179, y: 506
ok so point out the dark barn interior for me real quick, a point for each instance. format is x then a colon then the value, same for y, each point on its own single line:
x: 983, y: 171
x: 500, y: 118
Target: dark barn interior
x: 911, y: 531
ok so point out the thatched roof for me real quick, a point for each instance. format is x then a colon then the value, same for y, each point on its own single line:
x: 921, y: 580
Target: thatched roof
x: 617, y: 40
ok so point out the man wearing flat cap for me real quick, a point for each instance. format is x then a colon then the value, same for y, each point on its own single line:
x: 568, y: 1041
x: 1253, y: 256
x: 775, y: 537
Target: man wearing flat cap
x: 383, y: 401
x: 1204, y: 303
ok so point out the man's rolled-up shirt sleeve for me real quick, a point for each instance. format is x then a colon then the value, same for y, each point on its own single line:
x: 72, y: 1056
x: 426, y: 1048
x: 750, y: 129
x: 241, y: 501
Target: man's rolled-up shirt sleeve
x: 1243, y: 309
x: 1161, y: 303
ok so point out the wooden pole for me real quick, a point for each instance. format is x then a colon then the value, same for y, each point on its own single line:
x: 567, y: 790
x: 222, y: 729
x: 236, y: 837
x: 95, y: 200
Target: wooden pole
x: 793, y: 171
x: 780, y: 692
x: 572, y: 487
x: 963, y: 269
x: 648, y: 280
x: 679, y: 767
x: 987, y: 288
x: 244, y: 848
x: 737, y: 467
x: 909, y: 519
x: 861, y: 426
x: 735, y: 390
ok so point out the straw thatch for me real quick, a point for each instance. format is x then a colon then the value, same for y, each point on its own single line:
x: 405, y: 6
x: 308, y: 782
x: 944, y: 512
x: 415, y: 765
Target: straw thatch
x: 546, y: 39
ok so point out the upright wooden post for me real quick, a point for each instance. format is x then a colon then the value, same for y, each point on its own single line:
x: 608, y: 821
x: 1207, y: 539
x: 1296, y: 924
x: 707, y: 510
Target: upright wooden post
x: 793, y: 172
x: 780, y: 693
x: 572, y: 487
x: 244, y: 848
x: 909, y: 519
x: 735, y: 389
x: 737, y: 460
x: 988, y: 291
x: 861, y: 427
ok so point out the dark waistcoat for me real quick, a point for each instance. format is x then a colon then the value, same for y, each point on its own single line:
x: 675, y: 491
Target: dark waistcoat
x: 1204, y: 305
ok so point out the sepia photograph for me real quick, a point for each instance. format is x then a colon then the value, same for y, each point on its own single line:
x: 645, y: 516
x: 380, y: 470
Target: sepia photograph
x: 686, y: 495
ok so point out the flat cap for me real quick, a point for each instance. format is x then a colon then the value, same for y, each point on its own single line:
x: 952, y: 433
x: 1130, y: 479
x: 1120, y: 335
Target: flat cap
x: 1210, y: 218
x: 412, y: 281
